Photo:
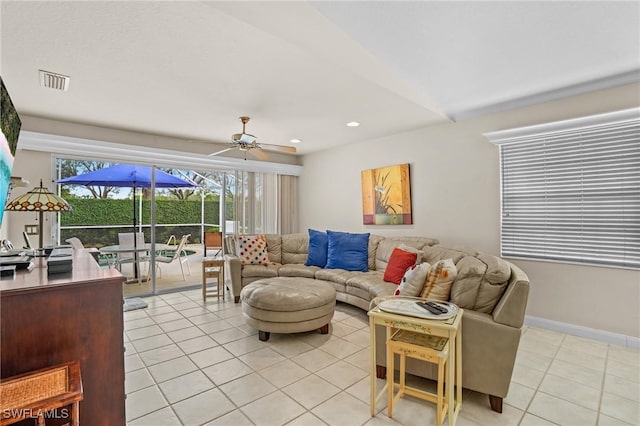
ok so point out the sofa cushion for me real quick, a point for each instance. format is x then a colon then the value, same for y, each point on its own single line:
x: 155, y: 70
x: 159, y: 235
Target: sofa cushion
x: 440, y: 277
x: 361, y: 284
x: 381, y: 289
x: 261, y: 271
x: 317, y: 248
x: 348, y: 251
x: 336, y: 275
x: 433, y: 254
x: 480, y: 283
x: 374, y: 240
x: 413, y: 280
x: 362, y: 293
x: 274, y: 247
x: 252, y: 249
x: 370, y: 285
x: 295, y: 248
x: 297, y: 270
x: 386, y: 246
x: 399, y: 261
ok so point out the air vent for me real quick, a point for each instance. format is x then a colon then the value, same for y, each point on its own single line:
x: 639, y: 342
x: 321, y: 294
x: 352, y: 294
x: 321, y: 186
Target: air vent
x: 54, y: 81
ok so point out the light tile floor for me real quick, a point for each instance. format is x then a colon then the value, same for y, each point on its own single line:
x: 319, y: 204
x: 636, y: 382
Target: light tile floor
x: 190, y: 363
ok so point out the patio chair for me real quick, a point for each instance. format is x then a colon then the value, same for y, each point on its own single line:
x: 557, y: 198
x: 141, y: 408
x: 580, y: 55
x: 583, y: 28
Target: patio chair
x: 177, y: 255
x: 77, y: 244
x: 213, y: 240
x: 27, y: 241
x: 125, y: 239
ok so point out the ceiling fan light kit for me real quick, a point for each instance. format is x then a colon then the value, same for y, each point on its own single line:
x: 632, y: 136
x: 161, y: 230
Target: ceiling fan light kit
x: 243, y: 138
x: 247, y: 143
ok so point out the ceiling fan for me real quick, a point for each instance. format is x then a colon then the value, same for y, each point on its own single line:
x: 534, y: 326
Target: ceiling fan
x: 247, y: 143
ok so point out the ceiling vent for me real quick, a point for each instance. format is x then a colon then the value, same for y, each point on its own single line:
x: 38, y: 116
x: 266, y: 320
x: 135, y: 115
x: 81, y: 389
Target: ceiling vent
x: 54, y: 81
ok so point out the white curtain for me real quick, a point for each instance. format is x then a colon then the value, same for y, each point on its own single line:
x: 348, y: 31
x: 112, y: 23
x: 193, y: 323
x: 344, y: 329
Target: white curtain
x: 265, y: 203
x: 288, y: 204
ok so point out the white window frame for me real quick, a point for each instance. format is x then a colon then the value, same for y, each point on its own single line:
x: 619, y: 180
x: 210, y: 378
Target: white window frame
x: 561, y: 202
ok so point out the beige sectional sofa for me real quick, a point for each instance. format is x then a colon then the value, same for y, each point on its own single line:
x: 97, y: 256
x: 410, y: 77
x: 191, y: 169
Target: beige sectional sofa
x: 492, y: 291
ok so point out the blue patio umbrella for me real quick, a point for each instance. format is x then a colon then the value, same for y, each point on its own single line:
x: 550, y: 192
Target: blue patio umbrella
x: 128, y: 175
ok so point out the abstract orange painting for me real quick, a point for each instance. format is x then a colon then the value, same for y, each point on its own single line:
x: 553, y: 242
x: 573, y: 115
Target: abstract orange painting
x: 386, y: 196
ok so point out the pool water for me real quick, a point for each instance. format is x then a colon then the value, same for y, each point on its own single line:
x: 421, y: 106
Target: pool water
x: 106, y: 259
x: 169, y: 252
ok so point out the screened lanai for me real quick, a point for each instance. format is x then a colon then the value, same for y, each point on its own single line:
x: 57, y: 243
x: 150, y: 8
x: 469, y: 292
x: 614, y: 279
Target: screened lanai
x: 231, y: 201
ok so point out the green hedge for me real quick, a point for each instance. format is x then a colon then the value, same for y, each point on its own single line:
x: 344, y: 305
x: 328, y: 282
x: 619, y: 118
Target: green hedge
x: 108, y: 212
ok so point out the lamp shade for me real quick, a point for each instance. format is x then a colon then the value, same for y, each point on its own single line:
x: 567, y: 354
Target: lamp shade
x: 39, y: 200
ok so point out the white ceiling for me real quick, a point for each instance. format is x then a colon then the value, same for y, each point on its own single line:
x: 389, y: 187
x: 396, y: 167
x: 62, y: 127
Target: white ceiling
x: 302, y: 70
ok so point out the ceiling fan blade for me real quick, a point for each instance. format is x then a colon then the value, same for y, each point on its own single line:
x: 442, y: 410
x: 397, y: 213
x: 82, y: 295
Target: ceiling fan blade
x: 282, y: 148
x: 259, y: 153
x: 220, y: 152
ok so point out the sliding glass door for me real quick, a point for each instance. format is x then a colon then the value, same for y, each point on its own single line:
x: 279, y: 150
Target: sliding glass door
x: 230, y: 202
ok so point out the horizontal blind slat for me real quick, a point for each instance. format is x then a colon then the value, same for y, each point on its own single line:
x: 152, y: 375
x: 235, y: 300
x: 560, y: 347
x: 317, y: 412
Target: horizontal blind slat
x: 573, y: 195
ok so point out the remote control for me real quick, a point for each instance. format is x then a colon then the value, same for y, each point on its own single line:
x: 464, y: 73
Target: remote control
x: 431, y: 307
x: 438, y: 307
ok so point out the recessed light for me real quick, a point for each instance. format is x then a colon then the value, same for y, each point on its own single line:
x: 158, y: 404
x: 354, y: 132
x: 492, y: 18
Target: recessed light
x: 353, y: 124
x: 295, y: 140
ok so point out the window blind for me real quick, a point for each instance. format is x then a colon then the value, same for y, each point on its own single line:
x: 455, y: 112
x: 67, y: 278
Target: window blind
x: 572, y: 193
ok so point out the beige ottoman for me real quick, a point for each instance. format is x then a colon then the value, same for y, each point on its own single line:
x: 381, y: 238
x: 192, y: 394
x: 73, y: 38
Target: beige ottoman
x: 288, y: 305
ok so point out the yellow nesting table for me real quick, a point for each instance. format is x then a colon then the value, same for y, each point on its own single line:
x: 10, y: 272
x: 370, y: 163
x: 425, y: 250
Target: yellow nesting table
x: 436, y: 341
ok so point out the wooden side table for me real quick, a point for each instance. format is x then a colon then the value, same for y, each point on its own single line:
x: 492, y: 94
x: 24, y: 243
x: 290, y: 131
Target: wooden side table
x: 213, y: 267
x: 451, y: 329
x: 35, y: 394
x: 423, y: 347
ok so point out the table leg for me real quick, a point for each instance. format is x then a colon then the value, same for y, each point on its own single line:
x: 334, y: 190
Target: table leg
x: 450, y: 379
x: 75, y: 414
x: 204, y: 283
x: 459, y: 367
x: 390, y: 368
x: 439, y: 388
x: 372, y: 372
x: 221, y: 281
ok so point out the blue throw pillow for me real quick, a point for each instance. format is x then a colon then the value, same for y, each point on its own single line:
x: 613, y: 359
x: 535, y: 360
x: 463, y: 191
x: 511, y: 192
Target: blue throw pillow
x: 348, y: 251
x: 317, y: 248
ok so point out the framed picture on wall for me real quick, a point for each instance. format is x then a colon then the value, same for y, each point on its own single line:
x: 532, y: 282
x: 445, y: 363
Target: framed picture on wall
x: 386, y: 196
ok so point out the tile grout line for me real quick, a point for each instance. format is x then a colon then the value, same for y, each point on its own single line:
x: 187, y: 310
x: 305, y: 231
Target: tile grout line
x: 157, y: 384
x: 537, y: 389
x: 352, y: 324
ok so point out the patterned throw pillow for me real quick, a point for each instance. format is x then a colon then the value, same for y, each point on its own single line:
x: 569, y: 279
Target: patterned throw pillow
x: 440, y: 277
x: 252, y: 249
x: 413, y: 280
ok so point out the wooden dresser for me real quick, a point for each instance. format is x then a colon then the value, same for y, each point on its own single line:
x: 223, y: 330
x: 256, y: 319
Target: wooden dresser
x: 49, y: 320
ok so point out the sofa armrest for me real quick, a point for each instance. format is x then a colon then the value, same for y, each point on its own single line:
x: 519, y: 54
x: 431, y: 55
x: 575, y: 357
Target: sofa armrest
x: 234, y: 267
x: 511, y: 307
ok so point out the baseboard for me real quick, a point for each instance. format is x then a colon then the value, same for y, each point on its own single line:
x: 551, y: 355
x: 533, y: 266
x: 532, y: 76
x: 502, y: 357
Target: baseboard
x: 578, y: 330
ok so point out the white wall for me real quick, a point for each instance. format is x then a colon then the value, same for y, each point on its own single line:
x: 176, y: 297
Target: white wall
x: 456, y: 198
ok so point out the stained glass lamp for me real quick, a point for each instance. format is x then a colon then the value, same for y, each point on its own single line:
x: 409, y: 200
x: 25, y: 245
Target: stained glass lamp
x: 39, y: 200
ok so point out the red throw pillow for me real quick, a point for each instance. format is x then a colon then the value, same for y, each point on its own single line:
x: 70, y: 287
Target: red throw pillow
x: 399, y: 261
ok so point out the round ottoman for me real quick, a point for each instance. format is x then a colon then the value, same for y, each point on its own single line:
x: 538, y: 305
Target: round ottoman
x: 288, y: 305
